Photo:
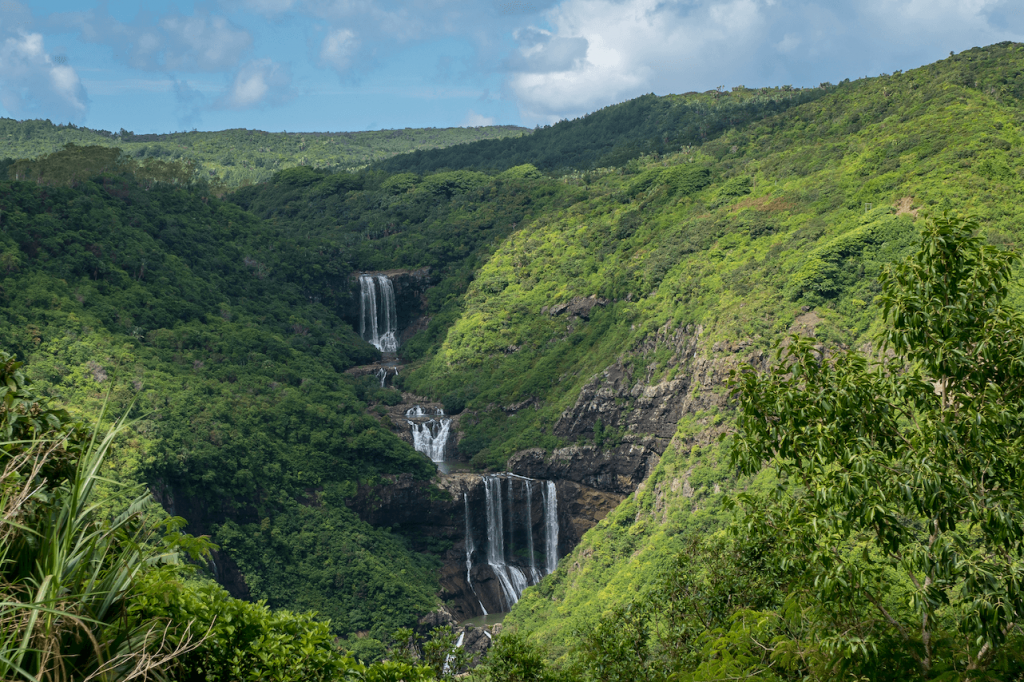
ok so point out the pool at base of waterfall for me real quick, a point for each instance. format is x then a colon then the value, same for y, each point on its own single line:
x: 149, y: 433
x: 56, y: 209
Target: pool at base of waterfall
x: 481, y: 621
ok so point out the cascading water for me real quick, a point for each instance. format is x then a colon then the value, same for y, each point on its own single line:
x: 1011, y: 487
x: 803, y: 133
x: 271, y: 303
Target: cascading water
x: 529, y: 533
x: 378, y: 315
x: 496, y: 543
x: 429, y: 431
x: 500, y: 548
x: 551, y: 526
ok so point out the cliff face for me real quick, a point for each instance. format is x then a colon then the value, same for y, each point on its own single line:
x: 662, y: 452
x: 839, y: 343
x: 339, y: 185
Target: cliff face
x: 459, y: 513
x: 410, y: 299
x: 202, y: 515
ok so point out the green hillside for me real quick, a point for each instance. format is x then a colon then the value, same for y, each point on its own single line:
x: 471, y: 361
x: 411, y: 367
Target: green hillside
x: 697, y: 234
x: 616, y: 134
x: 199, y: 316
x: 239, y: 156
x: 801, y: 212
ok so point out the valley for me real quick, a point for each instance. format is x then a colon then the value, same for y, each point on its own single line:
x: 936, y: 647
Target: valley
x: 500, y: 376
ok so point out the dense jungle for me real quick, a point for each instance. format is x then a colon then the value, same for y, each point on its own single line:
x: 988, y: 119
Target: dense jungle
x: 721, y: 385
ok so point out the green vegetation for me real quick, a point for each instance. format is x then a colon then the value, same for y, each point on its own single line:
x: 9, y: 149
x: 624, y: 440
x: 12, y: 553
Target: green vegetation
x: 90, y: 594
x: 229, y: 341
x: 617, y: 134
x: 903, y: 499
x: 240, y: 157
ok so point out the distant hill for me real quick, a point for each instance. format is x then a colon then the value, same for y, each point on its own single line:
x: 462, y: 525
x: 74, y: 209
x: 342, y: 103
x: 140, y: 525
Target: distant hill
x: 616, y: 134
x: 239, y: 156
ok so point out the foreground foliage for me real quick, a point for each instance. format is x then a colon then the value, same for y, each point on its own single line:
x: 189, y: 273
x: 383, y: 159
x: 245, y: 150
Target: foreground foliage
x: 900, y: 476
x: 91, y: 593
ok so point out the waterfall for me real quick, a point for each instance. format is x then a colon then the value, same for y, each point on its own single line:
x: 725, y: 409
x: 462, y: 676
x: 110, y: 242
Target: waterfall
x: 496, y: 543
x: 378, y: 315
x: 429, y: 437
x: 382, y: 374
x: 551, y: 526
x: 450, y: 657
x: 514, y: 573
x: 469, y: 555
x: 529, y: 532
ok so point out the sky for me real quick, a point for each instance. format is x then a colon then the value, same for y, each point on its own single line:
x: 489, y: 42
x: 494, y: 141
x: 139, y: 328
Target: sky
x: 347, y: 65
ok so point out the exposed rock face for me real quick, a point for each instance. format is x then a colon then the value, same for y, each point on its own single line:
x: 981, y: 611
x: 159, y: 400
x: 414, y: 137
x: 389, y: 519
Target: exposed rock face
x: 577, y: 307
x: 202, y: 514
x: 617, y: 471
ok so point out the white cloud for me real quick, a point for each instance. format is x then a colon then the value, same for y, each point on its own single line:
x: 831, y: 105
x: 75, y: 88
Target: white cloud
x: 337, y: 49
x: 788, y: 43
x: 31, y: 83
x: 601, y: 51
x: 475, y: 120
x: 620, y: 50
x: 259, y: 82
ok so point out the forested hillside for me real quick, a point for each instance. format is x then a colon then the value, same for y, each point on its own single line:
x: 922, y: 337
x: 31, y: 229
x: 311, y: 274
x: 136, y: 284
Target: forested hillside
x: 581, y: 306
x: 617, y: 134
x: 231, y: 350
x: 239, y: 157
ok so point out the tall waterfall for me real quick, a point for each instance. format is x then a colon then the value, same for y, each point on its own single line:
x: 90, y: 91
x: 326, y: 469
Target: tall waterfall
x: 511, y: 579
x: 515, y: 574
x: 429, y: 431
x: 551, y: 526
x: 378, y: 315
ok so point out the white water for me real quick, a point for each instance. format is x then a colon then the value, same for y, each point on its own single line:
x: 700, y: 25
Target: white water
x: 449, y: 657
x: 511, y: 578
x: 382, y: 374
x: 529, y: 531
x: 378, y: 315
x: 551, y: 526
x: 469, y: 555
x: 429, y: 437
x: 496, y: 542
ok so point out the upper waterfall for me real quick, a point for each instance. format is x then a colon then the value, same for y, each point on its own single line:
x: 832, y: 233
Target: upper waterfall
x: 378, y: 314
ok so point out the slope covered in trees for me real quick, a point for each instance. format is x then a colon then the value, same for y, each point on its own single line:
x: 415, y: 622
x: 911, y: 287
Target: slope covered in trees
x: 230, y: 344
x: 617, y: 134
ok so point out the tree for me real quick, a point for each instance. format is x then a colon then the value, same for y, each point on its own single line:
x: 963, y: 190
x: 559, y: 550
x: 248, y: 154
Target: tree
x: 899, y: 477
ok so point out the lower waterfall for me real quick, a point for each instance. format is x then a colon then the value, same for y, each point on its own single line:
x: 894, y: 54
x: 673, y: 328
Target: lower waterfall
x: 429, y: 431
x: 513, y: 572
x: 551, y: 526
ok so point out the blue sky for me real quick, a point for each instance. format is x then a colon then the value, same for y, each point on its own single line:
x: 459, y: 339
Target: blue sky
x: 334, y: 65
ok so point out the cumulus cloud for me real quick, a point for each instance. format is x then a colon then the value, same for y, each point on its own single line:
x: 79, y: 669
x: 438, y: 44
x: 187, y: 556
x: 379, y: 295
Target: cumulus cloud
x: 475, y: 120
x: 337, y: 49
x: 31, y: 83
x: 629, y: 46
x: 174, y: 42
x: 601, y: 51
x: 260, y: 82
